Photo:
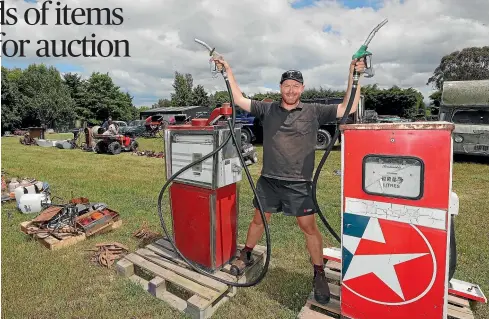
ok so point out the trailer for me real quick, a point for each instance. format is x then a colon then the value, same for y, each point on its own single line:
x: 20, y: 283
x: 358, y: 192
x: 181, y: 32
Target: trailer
x: 466, y: 104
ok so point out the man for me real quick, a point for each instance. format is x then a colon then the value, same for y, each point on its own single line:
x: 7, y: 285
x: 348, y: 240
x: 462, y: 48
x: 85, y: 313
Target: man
x: 285, y: 185
x: 111, y: 128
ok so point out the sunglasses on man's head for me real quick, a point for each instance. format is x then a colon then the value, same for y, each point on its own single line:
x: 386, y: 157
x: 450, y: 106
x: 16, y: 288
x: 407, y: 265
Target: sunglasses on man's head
x: 294, y: 74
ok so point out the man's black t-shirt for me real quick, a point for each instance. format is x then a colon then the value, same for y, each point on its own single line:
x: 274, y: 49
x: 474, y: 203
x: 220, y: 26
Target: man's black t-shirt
x: 289, y: 137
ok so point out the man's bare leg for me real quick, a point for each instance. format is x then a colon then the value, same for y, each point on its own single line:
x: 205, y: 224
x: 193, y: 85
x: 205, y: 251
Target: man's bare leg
x: 256, y: 229
x: 314, y: 239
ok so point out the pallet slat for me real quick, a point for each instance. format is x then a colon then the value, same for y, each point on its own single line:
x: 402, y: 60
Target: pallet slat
x: 308, y: 313
x: 459, y: 312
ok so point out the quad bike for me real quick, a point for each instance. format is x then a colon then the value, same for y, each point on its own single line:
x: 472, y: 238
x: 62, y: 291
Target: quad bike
x: 114, y: 144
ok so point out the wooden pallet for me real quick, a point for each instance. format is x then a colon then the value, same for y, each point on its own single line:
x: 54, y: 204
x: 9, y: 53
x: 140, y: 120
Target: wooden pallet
x: 170, y: 279
x: 65, y: 240
x: 458, y: 308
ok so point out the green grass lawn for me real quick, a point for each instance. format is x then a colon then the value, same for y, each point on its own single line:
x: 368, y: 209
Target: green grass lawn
x: 39, y: 283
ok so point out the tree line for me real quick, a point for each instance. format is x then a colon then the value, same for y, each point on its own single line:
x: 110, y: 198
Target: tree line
x: 392, y: 101
x: 40, y: 96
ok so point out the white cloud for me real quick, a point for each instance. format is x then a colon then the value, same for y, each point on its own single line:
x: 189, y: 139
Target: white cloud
x: 261, y: 39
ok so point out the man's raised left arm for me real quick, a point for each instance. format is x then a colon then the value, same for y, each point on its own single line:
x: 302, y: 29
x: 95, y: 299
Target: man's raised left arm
x: 360, y: 67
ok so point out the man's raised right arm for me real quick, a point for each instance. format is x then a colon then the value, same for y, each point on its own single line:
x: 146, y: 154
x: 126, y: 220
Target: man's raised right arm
x: 239, y: 100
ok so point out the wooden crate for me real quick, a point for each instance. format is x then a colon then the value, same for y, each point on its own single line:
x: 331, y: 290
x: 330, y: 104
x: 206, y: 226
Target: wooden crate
x: 458, y: 308
x: 170, y: 279
x: 65, y: 240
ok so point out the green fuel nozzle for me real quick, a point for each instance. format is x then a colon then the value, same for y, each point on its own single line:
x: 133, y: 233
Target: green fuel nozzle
x: 362, y: 53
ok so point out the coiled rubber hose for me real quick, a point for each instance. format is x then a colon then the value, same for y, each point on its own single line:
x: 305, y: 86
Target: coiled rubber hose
x: 231, y: 124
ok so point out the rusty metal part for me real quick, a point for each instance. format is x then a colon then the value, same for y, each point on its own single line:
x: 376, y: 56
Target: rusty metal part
x: 113, y: 244
x: 47, y: 214
x: 145, y: 233
x: 149, y: 154
x: 107, y: 253
x: 79, y: 200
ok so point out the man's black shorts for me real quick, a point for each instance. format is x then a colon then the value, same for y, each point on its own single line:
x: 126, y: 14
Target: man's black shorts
x: 293, y: 198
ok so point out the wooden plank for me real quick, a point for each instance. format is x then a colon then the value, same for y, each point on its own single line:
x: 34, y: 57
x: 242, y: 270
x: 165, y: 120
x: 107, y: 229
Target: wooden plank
x: 333, y: 305
x: 308, y: 313
x: 333, y: 265
x: 174, y: 301
x: 189, y: 274
x: 168, y: 275
x: 168, y: 254
x: 54, y: 244
x: 458, y: 301
x: 459, y: 312
x: 332, y: 274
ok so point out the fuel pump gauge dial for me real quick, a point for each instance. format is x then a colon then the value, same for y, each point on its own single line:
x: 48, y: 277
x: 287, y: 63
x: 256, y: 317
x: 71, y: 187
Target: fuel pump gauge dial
x: 393, y: 176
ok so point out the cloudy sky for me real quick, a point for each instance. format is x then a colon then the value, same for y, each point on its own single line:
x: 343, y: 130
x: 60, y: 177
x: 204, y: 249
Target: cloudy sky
x: 260, y: 39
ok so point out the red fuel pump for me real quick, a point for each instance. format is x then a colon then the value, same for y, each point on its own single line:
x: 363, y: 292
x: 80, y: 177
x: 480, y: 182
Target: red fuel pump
x: 203, y: 199
x: 397, y: 227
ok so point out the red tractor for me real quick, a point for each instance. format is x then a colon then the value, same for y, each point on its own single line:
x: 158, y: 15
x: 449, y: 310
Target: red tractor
x: 114, y: 144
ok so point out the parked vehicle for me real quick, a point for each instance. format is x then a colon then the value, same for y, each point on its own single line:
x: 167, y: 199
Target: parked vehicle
x: 134, y: 128
x: 466, y: 104
x: 252, y: 129
x: 326, y: 131
x: 120, y: 124
x: 114, y: 144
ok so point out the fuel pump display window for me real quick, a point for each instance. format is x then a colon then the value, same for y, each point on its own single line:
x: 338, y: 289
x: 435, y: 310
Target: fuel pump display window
x: 393, y: 176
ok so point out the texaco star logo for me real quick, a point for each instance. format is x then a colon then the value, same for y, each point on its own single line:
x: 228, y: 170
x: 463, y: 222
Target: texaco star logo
x: 386, y: 262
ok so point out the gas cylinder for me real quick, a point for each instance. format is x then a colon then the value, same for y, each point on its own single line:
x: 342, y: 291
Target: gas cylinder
x: 18, y: 192
x: 32, y: 203
x: 13, y: 184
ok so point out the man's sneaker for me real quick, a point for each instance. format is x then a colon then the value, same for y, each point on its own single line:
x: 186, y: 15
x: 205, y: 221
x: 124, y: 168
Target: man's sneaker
x: 321, y: 289
x: 239, y: 264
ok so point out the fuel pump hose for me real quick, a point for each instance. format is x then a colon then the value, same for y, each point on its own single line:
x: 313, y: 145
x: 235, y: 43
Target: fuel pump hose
x: 231, y: 124
x: 353, y: 91
x: 361, y: 53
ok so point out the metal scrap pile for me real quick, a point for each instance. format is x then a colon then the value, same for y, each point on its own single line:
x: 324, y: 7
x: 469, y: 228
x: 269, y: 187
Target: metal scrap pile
x: 107, y: 253
x: 150, y: 154
x: 73, y: 218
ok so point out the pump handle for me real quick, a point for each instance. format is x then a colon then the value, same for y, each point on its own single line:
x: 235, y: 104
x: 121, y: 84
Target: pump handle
x: 214, y: 54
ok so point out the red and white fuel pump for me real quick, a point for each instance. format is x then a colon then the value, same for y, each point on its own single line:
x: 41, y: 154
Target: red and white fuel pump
x: 204, y: 198
x: 397, y: 207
